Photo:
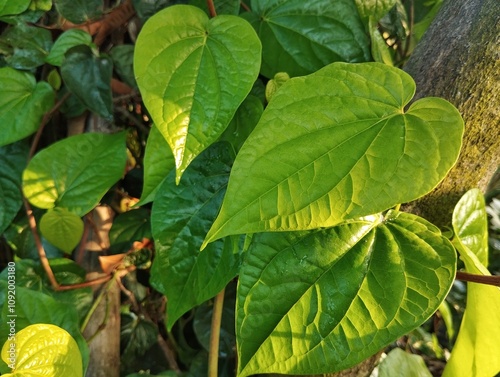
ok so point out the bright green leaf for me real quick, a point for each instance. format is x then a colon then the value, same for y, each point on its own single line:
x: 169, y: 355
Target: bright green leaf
x: 275, y: 83
x: 336, y: 145
x: 82, y: 169
x: 43, y: 350
x: 8, y: 7
x: 89, y: 78
x: 123, y: 59
x: 180, y: 218
x: 22, y: 104
x: 380, y: 50
x: 373, y: 9
x: 158, y: 162
x: 301, y: 37
x: 328, y: 299
x: 70, y: 38
x: 14, y: 158
x: 41, y: 5
x: 79, y: 11
x: 62, y: 228
x: 193, y: 73
x: 128, y: 227
x: 404, y: 364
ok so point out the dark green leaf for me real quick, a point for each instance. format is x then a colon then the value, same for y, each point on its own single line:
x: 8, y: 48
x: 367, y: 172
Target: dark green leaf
x: 23, y: 104
x: 89, y: 78
x: 62, y: 228
x: 14, y: 158
x: 147, y: 8
x: 193, y: 73
x: 180, y: 218
x: 128, y: 227
x: 301, y: 37
x: 68, y: 39
x: 336, y: 145
x: 30, y: 44
x: 123, y: 59
x: 328, y: 299
x: 221, y: 6
x: 8, y: 7
x: 82, y: 169
x: 137, y: 335
x: 79, y: 11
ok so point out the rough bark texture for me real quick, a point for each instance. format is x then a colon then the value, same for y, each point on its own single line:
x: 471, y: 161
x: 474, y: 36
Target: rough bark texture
x: 459, y: 60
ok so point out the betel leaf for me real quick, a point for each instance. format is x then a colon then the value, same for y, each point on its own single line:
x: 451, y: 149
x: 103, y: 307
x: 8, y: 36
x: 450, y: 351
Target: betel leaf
x: 301, y: 37
x: 43, y: 350
x: 158, y: 162
x: 193, y: 73
x: 79, y: 11
x: 8, y: 7
x: 328, y: 299
x: 82, y: 168
x: 373, y: 9
x: 128, y: 227
x: 221, y: 6
x: 123, y: 59
x: 336, y: 145
x: 404, y: 364
x: 22, y: 104
x: 476, y: 349
x: 180, y: 218
x: 14, y: 158
x: 89, y: 78
x: 62, y: 228
x: 70, y: 38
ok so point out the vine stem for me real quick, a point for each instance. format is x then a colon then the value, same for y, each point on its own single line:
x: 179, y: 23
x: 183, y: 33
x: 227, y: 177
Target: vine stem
x: 211, y: 8
x: 480, y: 279
x: 213, y: 353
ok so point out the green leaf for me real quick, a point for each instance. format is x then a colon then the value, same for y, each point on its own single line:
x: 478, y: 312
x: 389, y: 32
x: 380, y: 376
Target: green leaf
x: 380, y: 50
x: 23, y: 104
x: 158, y: 162
x: 14, y: 158
x: 70, y: 38
x: 275, y: 83
x: 8, y: 7
x: 43, y: 350
x: 328, y: 299
x: 476, y: 349
x: 373, y: 9
x: 89, y: 78
x: 62, y: 228
x: 180, y: 218
x: 137, y: 335
x: 123, y: 59
x: 404, y: 364
x: 193, y: 73
x: 301, y: 37
x: 41, y: 5
x: 79, y: 11
x: 221, y: 6
x: 82, y: 168
x: 354, y: 151
x: 30, y: 44
x: 128, y: 227
x: 147, y: 8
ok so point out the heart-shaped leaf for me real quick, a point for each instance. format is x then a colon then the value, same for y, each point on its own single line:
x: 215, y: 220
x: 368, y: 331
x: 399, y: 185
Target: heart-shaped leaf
x: 328, y: 299
x: 8, y: 7
x: 193, y: 73
x: 22, y: 104
x: 82, y: 168
x: 70, y: 38
x: 43, y: 350
x: 62, y: 228
x: 336, y: 145
x: 79, y: 11
x: 299, y: 37
x: 181, y: 216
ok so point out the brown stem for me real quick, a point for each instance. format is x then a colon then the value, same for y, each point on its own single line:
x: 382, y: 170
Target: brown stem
x: 480, y: 279
x: 211, y: 8
x: 245, y: 7
x: 169, y: 354
x: 112, y: 21
x: 85, y: 284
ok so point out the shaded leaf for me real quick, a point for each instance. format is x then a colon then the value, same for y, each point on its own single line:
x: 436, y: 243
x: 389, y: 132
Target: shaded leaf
x: 180, y: 218
x: 123, y: 59
x: 137, y: 335
x: 301, y: 37
x: 128, y: 227
x: 221, y: 6
x: 70, y: 38
x: 328, y: 299
x: 147, y: 8
x: 62, y: 228
x: 355, y: 151
x: 89, y: 78
x: 44, y: 350
x: 79, y: 11
x: 373, y: 9
x: 8, y: 7
x: 82, y: 169
x: 22, y: 104
x: 185, y: 65
x: 404, y: 364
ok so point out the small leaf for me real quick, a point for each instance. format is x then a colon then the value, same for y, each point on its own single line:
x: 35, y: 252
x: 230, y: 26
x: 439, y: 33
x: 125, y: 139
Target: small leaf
x: 89, y: 78
x: 128, y: 227
x: 62, y: 228
x: 123, y: 59
x: 373, y: 9
x: 9, y: 7
x: 43, y: 350
x: 41, y: 5
x: 79, y: 11
x: 82, y: 169
x: 193, y: 73
x: 14, y: 158
x: 380, y: 50
x: 354, y: 152
x: 328, y: 299
x: 180, y: 218
x: 70, y: 38
x: 274, y: 84
x: 23, y: 104
x: 404, y: 363
x: 301, y: 37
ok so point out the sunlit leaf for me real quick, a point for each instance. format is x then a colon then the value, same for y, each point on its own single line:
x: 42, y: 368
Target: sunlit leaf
x: 8, y: 7
x: 62, y: 228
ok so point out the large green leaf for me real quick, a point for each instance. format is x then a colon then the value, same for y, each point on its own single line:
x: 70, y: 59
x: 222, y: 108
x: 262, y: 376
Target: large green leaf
x: 79, y: 11
x: 180, y: 218
x: 476, y: 349
x: 336, y: 145
x: 81, y: 169
x: 301, y: 37
x: 70, y: 38
x: 193, y: 73
x: 8, y: 7
x: 43, y: 350
x: 321, y: 301
x: 89, y: 78
x: 62, y: 228
x: 22, y: 104
x: 14, y: 158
